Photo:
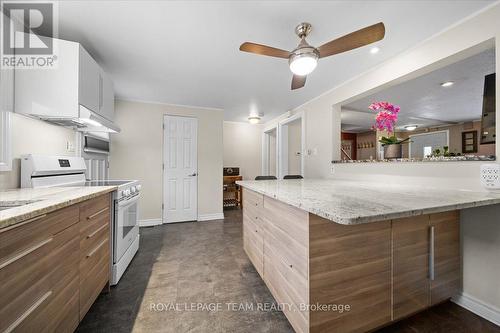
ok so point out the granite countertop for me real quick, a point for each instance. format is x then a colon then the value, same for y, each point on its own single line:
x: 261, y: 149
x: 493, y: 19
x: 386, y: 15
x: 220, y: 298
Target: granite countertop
x: 45, y: 200
x: 355, y: 202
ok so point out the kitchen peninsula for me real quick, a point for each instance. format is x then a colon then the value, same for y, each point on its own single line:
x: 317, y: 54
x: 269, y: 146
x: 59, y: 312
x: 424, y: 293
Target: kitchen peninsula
x: 383, y: 252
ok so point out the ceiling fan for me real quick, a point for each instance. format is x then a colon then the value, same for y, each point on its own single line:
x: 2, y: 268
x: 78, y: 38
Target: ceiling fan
x: 304, y: 58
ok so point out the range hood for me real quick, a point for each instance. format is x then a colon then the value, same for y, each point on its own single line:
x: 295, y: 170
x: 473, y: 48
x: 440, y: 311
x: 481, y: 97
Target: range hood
x: 88, y: 121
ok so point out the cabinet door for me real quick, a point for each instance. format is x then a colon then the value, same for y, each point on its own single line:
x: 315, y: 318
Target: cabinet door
x: 6, y: 85
x: 445, y: 256
x: 410, y: 239
x: 89, y: 80
x: 50, y: 92
x: 107, y: 97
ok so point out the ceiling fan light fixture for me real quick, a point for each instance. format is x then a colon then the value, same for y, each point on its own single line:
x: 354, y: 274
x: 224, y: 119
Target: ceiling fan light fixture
x: 303, y: 63
x: 253, y: 120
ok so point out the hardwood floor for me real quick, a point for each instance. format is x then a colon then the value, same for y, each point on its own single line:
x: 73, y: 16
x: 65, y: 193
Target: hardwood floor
x: 204, y: 262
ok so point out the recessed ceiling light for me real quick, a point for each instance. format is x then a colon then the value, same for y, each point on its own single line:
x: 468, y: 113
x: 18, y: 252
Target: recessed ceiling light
x: 374, y: 50
x: 447, y: 84
x: 411, y: 127
x: 253, y: 119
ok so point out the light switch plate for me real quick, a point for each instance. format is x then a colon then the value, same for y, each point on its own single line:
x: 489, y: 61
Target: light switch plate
x: 490, y: 176
x: 70, y: 147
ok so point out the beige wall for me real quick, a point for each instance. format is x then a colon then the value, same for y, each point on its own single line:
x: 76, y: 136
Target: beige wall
x: 137, y: 153
x: 481, y: 268
x: 33, y: 136
x: 294, y: 146
x: 243, y: 148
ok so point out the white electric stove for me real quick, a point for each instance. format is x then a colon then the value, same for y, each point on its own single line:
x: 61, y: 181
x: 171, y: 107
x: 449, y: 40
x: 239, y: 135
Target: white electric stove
x: 52, y: 171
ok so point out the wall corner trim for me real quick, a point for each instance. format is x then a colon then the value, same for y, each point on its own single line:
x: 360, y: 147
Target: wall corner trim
x: 150, y: 222
x: 209, y: 217
x: 477, y: 306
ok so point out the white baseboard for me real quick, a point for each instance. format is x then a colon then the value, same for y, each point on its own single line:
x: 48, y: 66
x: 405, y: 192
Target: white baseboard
x: 201, y: 217
x: 150, y: 222
x: 209, y: 217
x: 480, y: 308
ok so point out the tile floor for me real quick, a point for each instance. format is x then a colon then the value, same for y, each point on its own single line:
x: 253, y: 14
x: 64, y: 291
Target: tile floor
x: 204, y: 262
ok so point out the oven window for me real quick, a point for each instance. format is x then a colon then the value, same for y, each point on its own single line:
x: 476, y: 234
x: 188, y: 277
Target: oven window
x: 129, y: 219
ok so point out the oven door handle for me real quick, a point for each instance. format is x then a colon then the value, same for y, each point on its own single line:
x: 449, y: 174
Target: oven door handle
x: 128, y: 202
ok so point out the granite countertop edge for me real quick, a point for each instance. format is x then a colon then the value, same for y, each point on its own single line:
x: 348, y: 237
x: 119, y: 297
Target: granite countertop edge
x: 375, y: 217
x: 61, y: 200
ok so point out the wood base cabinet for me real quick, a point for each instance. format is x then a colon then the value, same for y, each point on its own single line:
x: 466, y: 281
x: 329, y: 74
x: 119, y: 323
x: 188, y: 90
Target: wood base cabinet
x: 350, y: 278
x: 41, y: 269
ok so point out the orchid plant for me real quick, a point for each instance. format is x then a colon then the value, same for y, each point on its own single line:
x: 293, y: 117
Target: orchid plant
x: 385, y: 120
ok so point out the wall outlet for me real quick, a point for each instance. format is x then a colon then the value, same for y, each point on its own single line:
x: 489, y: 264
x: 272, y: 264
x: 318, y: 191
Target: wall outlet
x: 70, y: 147
x: 490, y: 176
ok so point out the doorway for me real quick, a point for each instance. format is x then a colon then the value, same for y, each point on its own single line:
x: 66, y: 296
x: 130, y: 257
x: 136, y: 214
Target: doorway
x: 180, y: 169
x: 291, y: 146
x: 270, y: 152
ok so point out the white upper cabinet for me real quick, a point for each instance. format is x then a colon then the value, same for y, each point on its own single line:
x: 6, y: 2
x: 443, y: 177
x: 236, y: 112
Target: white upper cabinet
x: 6, y: 84
x: 89, y: 87
x: 107, y: 96
x: 76, y: 80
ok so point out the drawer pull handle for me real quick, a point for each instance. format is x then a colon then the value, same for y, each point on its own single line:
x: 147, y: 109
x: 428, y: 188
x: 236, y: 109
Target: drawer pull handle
x: 22, y: 223
x: 96, y: 231
x: 32, y: 308
x: 96, y: 214
x: 91, y: 253
x: 431, y: 254
x: 24, y: 253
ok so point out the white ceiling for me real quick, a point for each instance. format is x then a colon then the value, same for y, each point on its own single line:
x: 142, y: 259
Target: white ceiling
x: 424, y: 102
x: 186, y: 52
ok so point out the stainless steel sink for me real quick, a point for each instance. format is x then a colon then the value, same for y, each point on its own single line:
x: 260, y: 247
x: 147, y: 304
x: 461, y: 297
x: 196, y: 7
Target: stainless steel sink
x: 12, y: 204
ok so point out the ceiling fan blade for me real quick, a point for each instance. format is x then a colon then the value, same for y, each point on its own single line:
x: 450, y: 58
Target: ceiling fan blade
x: 264, y: 50
x: 353, y: 40
x: 298, y: 81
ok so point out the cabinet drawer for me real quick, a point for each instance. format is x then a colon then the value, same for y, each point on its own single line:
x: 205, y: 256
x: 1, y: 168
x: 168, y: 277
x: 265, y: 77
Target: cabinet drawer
x: 93, y: 209
x: 291, y: 220
x: 94, y: 273
x: 285, y: 294
x: 93, y: 230
x: 251, y: 198
x: 253, y: 245
x: 286, y: 249
x: 253, y: 217
x: 26, y: 238
x: 290, y: 269
x: 32, y: 285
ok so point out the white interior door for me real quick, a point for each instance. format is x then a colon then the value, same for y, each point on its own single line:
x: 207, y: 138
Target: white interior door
x: 180, y: 171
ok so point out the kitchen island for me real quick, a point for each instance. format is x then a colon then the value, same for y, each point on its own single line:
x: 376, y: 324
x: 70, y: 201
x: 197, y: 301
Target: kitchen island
x: 346, y: 256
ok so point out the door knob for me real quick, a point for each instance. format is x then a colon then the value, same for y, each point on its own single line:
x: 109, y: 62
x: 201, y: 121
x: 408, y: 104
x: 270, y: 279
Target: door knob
x: 193, y: 175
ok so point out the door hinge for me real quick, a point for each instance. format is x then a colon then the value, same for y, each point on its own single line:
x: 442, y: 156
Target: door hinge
x: 163, y: 166
x: 163, y: 126
x: 162, y: 206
